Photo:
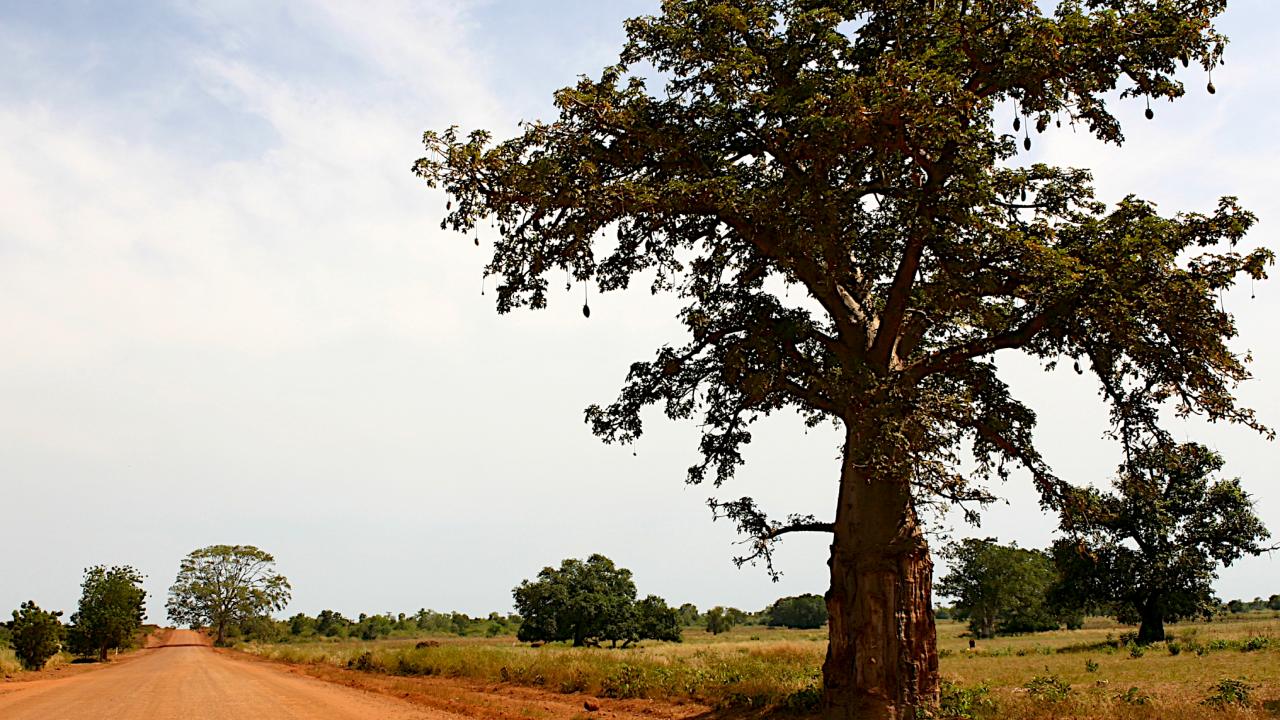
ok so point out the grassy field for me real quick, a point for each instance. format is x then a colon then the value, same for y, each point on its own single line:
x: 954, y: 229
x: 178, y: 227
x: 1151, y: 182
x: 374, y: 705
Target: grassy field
x: 1088, y: 673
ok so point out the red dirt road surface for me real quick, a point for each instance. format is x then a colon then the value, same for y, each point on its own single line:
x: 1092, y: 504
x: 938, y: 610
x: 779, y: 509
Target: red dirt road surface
x: 181, y: 678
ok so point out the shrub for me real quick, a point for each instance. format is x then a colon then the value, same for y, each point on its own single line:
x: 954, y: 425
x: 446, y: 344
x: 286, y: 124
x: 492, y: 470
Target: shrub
x: 1134, y: 696
x: 1230, y: 691
x: 1136, y: 651
x: 1048, y: 687
x: 627, y: 681
x: 1256, y: 642
x: 966, y: 703
x: 364, y: 662
x: 37, y: 635
x: 1174, y: 647
x: 1090, y: 666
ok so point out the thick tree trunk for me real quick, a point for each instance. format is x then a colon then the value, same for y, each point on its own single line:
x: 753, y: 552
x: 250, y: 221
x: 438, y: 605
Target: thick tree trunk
x: 102, y: 654
x: 882, y: 659
x: 1152, y: 628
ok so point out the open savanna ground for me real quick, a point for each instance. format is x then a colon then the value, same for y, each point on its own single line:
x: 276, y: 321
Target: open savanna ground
x: 1088, y: 673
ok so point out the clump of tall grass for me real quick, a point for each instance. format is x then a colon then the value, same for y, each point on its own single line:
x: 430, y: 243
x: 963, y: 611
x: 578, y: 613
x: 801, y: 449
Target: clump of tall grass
x: 8, y: 661
x: 782, y: 675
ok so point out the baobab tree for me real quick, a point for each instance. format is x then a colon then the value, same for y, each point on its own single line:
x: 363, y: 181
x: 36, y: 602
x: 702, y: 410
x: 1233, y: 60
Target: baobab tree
x: 848, y: 150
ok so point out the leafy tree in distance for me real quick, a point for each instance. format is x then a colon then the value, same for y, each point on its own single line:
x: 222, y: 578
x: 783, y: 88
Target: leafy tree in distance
x: 999, y: 588
x: 36, y: 635
x: 221, y: 585
x: 1273, y: 602
x: 586, y: 601
x: 654, y: 620
x: 111, y: 610
x: 1149, y: 552
x: 718, y: 620
x: 802, y: 611
x: 688, y: 614
x: 822, y: 185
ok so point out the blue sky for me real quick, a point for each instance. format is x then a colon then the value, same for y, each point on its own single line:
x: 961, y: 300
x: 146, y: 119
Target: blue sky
x: 228, y: 314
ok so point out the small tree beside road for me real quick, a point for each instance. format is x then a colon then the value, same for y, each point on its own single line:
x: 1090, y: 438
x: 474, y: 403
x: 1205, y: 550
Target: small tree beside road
x: 111, y: 610
x: 36, y: 635
x: 223, y: 585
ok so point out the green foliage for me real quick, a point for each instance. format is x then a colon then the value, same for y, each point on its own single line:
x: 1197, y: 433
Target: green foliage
x: 688, y: 613
x: 1048, y: 687
x: 718, y: 620
x: 966, y: 703
x: 801, y: 611
x: 1149, y: 552
x: 36, y: 635
x: 224, y: 585
x: 1134, y: 696
x: 111, y: 610
x: 1228, y: 692
x: 590, y: 601
x: 999, y: 588
x: 1090, y: 666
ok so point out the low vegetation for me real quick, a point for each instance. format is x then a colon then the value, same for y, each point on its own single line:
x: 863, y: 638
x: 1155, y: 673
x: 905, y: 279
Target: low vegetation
x: 1086, y: 673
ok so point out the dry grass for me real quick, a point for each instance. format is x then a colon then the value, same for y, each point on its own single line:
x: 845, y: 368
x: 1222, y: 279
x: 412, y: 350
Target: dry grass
x: 9, y: 664
x: 759, y: 667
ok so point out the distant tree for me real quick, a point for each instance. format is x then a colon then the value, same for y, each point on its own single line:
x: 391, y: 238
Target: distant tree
x: 221, y: 585
x: 330, y: 623
x: 654, y: 620
x: 1273, y: 602
x: 111, y: 610
x: 301, y: 624
x: 802, y: 611
x: 1149, y: 552
x: 582, y: 601
x: 718, y: 620
x: 999, y: 588
x: 591, y: 601
x: 942, y: 612
x: 688, y: 613
x: 372, y: 627
x: 36, y: 635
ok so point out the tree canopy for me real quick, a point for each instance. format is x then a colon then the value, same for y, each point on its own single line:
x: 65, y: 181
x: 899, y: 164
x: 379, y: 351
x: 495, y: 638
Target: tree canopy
x: 221, y: 585
x: 588, y: 602
x: 800, y: 611
x: 111, y: 610
x: 1149, y: 551
x: 849, y: 150
x: 999, y: 588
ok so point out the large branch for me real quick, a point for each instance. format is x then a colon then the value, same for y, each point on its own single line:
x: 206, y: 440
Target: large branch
x: 953, y: 357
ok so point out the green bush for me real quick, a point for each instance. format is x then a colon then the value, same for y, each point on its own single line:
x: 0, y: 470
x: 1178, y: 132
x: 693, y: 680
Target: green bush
x: 966, y: 703
x: 1048, y: 687
x: 627, y: 681
x: 36, y: 635
x: 1230, y: 691
x: 1090, y: 666
x: 1134, y: 696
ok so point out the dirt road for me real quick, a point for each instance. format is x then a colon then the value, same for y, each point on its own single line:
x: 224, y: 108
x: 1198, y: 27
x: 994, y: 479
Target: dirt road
x: 184, y: 679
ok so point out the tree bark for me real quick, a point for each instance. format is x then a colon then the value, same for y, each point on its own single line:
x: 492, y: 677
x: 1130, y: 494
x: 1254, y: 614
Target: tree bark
x: 882, y: 659
x: 1152, y: 628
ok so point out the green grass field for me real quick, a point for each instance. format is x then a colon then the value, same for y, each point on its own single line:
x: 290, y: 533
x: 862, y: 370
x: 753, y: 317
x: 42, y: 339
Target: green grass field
x: 1088, y: 673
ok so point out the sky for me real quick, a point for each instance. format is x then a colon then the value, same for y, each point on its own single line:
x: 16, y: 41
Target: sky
x: 228, y: 315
